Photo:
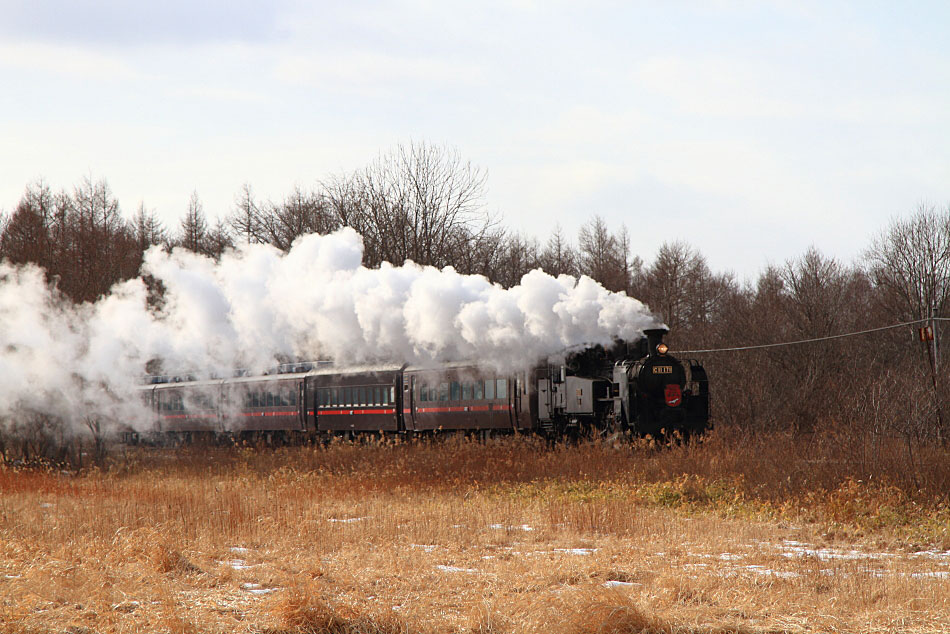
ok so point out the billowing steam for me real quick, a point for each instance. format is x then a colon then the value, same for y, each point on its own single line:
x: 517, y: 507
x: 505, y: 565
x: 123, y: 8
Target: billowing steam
x: 258, y: 305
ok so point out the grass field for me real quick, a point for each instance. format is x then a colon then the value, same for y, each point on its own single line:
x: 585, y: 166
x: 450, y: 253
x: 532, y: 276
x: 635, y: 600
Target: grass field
x: 758, y: 534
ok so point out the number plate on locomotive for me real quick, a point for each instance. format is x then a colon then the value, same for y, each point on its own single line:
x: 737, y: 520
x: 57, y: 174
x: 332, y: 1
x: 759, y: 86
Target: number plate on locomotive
x: 662, y: 369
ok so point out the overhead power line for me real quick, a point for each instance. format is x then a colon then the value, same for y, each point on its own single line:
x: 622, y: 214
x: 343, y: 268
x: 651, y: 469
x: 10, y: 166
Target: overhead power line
x: 816, y: 339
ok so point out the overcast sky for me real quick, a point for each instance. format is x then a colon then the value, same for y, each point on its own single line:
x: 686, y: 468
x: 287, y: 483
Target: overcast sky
x: 750, y: 130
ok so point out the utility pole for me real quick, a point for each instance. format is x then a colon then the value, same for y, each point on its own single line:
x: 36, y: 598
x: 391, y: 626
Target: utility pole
x: 928, y: 337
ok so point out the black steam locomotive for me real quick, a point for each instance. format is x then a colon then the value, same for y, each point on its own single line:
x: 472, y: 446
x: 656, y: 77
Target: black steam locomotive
x: 638, y: 388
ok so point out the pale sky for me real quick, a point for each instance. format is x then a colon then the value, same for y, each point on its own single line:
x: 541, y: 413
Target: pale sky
x: 750, y: 130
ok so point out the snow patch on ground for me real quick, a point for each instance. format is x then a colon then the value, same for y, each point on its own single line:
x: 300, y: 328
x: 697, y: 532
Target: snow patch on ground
x: 933, y: 574
x: 619, y: 584
x: 426, y: 547
x: 768, y: 572
x: 798, y: 550
x: 455, y: 569
x: 238, y: 564
x: 576, y: 551
x: 794, y: 549
x: 933, y: 554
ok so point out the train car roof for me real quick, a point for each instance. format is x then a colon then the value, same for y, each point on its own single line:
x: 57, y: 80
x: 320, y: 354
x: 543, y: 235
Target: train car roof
x: 357, y: 369
x: 257, y: 378
x: 197, y: 383
x: 451, y: 365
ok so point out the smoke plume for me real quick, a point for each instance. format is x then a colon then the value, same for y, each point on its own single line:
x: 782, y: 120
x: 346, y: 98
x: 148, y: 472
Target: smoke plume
x: 258, y: 305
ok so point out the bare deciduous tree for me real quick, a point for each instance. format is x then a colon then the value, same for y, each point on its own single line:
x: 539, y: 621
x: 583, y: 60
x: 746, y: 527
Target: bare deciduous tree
x: 483, y: 254
x: 601, y: 254
x: 97, y: 244
x: 25, y: 234
x: 80, y: 239
x: 218, y: 240
x: 417, y: 202
x: 517, y: 256
x: 558, y: 256
x: 708, y: 296
x: 300, y: 213
x: 192, y: 232
x: 910, y: 264
x: 667, y: 282
x: 819, y: 293
x: 245, y: 221
x: 149, y: 229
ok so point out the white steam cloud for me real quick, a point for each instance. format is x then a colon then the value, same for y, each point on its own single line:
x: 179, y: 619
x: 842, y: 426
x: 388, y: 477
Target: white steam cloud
x: 258, y: 304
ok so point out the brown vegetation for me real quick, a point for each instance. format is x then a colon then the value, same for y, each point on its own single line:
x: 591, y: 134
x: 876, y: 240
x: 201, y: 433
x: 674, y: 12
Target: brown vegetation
x: 740, y: 534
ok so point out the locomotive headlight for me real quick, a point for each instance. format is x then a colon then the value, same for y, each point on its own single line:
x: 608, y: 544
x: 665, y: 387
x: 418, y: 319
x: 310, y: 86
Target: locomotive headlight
x: 662, y: 348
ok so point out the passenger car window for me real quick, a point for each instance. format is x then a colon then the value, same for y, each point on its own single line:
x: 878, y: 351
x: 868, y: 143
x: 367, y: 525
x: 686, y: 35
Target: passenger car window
x: 490, y: 388
x: 501, y: 388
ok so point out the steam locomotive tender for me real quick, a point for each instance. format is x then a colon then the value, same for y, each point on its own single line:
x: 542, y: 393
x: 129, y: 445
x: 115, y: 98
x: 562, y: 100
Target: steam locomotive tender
x: 638, y: 388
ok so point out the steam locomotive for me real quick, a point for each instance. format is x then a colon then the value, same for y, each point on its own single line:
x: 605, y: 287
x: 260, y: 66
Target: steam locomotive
x: 638, y: 388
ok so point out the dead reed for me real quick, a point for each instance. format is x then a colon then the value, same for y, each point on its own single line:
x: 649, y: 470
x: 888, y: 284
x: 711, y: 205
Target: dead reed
x: 761, y: 534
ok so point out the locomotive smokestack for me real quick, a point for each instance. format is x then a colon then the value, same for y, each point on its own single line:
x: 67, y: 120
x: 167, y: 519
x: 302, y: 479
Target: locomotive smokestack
x: 654, y: 338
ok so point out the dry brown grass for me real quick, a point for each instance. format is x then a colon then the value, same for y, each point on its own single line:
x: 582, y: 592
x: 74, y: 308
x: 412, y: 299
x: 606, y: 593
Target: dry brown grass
x: 513, y: 536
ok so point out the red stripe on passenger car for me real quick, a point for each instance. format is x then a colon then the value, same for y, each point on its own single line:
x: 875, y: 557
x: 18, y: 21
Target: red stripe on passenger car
x: 178, y: 416
x: 347, y: 412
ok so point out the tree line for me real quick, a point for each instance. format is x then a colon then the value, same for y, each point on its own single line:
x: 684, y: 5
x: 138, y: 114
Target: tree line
x: 426, y: 204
